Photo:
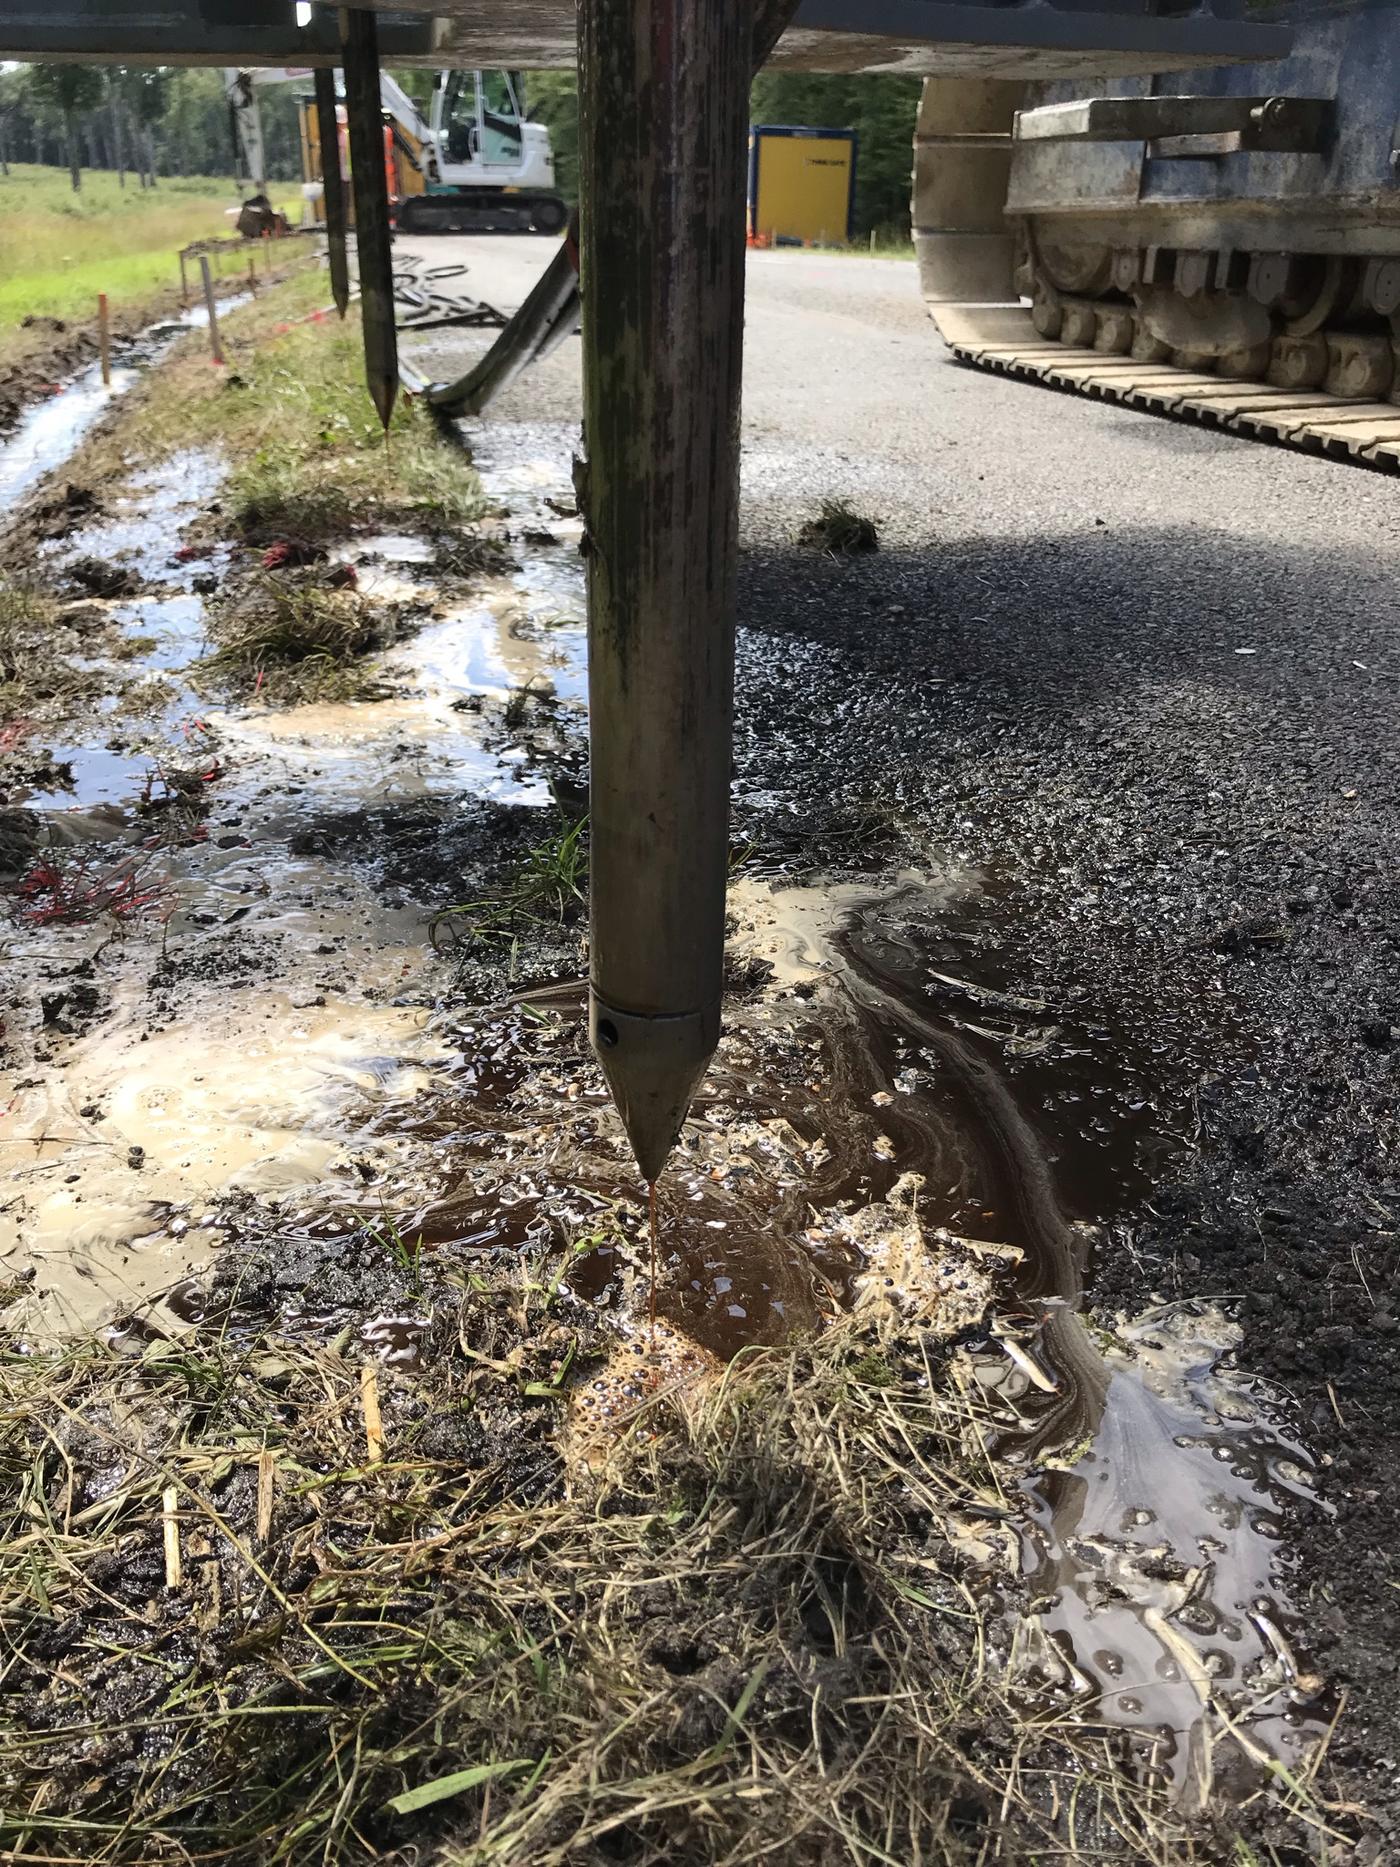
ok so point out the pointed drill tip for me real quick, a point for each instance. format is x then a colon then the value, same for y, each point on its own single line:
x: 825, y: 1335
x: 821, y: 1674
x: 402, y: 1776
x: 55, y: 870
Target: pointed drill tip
x: 653, y: 1066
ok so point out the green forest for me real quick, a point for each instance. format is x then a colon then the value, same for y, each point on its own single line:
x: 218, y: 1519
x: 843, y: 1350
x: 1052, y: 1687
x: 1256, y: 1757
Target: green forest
x: 167, y: 121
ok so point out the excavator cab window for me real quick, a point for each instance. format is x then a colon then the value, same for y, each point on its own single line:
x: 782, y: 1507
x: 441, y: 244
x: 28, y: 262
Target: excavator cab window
x: 461, y: 120
x: 500, y: 121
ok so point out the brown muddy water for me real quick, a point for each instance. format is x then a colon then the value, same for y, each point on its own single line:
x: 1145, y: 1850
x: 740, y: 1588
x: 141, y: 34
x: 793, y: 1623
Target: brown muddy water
x: 280, y: 1038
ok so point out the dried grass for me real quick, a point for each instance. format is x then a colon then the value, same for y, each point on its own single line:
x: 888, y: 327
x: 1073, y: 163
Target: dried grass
x: 251, y: 1617
x: 26, y: 620
x: 287, y: 637
x: 840, y: 531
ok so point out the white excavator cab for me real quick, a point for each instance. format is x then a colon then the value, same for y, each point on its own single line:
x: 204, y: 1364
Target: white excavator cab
x: 475, y: 165
x: 480, y: 136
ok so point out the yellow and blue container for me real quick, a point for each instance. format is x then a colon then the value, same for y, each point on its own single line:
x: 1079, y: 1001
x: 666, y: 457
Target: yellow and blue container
x: 802, y: 185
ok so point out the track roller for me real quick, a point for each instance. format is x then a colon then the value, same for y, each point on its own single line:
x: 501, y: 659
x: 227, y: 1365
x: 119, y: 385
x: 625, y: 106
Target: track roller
x: 1249, y: 364
x: 1298, y: 362
x: 1047, y: 314
x: 1117, y: 328
x: 1359, y: 365
x: 1080, y: 323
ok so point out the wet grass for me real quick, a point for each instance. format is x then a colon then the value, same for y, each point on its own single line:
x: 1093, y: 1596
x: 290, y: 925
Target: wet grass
x: 840, y: 530
x: 26, y: 616
x: 270, y: 1602
x: 290, y: 410
x: 550, y: 887
x: 470, y: 554
x: 287, y: 637
x: 47, y: 662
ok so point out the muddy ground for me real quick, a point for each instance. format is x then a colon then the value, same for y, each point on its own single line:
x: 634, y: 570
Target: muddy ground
x: 1064, y: 846
x: 1144, y: 678
x: 47, y: 353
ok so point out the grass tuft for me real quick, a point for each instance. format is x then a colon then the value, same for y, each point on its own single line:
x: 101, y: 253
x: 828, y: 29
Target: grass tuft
x: 840, y: 530
x: 551, y: 885
x: 292, y: 411
x: 293, y: 638
x: 26, y: 616
x: 470, y: 553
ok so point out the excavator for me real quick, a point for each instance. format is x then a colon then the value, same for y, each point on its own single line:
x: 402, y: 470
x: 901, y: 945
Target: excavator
x: 475, y: 164
x: 1220, y: 246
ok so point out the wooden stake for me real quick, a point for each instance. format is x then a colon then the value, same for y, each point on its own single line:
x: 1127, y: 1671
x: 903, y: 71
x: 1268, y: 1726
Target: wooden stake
x: 369, y: 1402
x: 170, y: 1535
x: 184, y: 284
x: 104, y: 340
x: 215, y: 348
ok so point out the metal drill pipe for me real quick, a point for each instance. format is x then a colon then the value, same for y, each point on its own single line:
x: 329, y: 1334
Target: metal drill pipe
x: 664, y: 123
x: 332, y: 187
x: 365, y: 118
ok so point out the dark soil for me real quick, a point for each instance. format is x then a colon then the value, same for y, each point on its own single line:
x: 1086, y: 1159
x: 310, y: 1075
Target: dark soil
x: 61, y: 348
x: 1211, y: 866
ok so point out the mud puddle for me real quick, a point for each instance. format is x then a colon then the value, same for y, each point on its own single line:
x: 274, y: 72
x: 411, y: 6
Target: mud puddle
x: 898, y: 1080
x: 849, y: 1136
x: 1148, y: 1530
x: 217, y: 1039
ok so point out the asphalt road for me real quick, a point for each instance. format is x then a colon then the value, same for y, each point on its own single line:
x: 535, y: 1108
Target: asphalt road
x: 1145, y: 675
x: 848, y: 391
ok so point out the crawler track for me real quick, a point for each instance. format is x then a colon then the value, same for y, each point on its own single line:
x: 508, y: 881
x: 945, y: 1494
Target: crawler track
x: 1001, y: 337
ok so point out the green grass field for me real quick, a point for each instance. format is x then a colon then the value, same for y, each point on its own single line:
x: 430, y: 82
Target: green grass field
x: 58, y: 249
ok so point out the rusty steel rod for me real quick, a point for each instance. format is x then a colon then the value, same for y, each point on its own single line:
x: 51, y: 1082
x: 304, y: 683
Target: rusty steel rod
x: 663, y: 99
x: 332, y: 188
x: 363, y: 110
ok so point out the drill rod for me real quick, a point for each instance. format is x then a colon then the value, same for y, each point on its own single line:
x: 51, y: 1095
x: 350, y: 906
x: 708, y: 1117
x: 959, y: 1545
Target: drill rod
x: 332, y: 188
x: 371, y: 191
x: 664, y: 122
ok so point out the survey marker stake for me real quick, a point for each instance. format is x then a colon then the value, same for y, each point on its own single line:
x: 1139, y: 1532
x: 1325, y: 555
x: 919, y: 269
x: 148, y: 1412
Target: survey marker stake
x: 360, y: 39
x: 216, y: 349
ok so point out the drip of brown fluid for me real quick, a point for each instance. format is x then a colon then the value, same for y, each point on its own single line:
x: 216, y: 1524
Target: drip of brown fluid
x: 651, y: 1213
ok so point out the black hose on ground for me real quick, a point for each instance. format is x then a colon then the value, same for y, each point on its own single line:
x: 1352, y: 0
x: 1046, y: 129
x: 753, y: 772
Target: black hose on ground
x: 547, y: 315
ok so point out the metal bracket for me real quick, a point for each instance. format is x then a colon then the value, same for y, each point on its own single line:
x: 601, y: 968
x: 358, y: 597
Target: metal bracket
x: 1185, y: 126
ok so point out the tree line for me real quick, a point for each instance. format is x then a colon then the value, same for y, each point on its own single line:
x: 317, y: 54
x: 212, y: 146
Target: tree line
x: 159, y: 120
x: 146, y: 121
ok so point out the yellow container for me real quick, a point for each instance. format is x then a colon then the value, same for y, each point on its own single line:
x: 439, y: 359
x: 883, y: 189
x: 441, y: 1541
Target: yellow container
x: 801, y: 185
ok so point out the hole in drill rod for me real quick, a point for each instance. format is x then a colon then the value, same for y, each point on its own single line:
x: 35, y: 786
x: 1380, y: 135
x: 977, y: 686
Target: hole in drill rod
x: 607, y: 1032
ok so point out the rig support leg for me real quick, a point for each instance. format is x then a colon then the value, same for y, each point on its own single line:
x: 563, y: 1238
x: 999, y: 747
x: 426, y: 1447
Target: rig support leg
x: 365, y: 116
x: 664, y: 118
x: 332, y: 188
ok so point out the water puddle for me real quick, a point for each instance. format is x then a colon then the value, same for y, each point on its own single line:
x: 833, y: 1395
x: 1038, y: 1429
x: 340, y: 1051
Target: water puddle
x: 49, y: 433
x: 1156, y: 1471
